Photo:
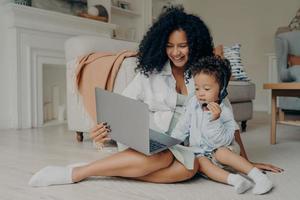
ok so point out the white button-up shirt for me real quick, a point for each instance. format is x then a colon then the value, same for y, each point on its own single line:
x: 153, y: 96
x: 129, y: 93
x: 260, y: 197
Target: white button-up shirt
x: 158, y: 91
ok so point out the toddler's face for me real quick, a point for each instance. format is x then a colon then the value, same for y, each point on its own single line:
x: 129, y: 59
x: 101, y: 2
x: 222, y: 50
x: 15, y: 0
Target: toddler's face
x: 206, y: 88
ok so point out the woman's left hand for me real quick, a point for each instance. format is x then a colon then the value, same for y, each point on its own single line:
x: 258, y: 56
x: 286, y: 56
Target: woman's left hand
x: 267, y: 167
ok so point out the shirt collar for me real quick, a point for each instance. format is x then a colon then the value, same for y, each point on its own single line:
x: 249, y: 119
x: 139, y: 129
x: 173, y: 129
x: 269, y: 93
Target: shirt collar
x: 197, y: 104
x: 166, y: 69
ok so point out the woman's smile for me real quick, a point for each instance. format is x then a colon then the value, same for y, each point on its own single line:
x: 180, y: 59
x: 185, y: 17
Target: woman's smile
x: 177, y: 48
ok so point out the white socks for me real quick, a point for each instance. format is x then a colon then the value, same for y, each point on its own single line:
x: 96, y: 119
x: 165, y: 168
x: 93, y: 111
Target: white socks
x: 57, y: 175
x: 239, y: 183
x: 262, y: 182
x: 54, y: 175
x: 51, y: 175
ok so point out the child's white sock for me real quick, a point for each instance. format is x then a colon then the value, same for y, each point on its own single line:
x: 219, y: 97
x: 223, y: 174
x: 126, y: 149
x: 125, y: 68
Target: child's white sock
x: 239, y: 183
x: 52, y: 175
x: 262, y: 182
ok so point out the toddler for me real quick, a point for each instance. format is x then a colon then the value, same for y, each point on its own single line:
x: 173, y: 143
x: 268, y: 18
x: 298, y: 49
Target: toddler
x: 210, y: 127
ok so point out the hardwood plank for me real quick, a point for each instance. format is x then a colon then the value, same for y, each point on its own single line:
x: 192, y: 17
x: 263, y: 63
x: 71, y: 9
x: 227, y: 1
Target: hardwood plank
x: 284, y: 86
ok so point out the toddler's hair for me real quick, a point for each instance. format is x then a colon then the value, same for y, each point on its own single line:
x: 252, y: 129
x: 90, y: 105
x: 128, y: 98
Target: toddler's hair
x: 214, y: 66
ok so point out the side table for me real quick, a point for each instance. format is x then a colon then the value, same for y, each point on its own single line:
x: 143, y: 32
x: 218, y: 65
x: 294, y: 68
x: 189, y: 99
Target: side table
x: 281, y: 89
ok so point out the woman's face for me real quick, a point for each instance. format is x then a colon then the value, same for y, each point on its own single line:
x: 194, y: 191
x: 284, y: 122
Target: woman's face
x: 177, y: 48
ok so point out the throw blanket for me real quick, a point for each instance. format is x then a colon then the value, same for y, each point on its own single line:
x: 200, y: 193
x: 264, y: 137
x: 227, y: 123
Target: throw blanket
x: 97, y: 70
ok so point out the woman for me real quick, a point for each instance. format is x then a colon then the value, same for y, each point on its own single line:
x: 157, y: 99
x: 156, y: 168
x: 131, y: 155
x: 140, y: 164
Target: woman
x: 164, y: 82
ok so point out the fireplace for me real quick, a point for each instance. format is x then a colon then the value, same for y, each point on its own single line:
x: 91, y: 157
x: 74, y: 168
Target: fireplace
x: 54, y: 94
x: 47, y: 72
x: 32, y: 44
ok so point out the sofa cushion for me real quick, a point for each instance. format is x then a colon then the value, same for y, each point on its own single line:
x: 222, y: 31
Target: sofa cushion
x: 240, y: 91
x: 242, y: 111
x: 289, y: 103
x: 219, y: 51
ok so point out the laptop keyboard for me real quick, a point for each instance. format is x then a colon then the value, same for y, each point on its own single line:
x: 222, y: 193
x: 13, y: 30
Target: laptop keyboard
x: 155, y: 145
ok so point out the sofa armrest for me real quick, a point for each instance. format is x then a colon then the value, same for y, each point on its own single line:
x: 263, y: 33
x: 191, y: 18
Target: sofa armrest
x: 241, y: 91
x: 84, y: 44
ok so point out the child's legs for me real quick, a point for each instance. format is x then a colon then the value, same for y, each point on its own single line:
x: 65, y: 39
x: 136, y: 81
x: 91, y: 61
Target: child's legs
x: 211, y: 170
x: 227, y: 157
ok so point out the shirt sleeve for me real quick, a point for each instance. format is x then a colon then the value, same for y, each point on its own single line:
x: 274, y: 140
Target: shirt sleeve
x: 228, y: 104
x: 220, y: 132
x: 181, y: 130
x: 134, y: 90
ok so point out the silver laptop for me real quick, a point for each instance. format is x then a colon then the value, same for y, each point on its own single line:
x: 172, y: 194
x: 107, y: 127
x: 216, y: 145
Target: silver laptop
x: 129, y: 123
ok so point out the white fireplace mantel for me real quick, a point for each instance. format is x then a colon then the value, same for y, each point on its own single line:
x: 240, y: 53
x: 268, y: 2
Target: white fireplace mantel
x: 29, y: 38
x: 49, y: 21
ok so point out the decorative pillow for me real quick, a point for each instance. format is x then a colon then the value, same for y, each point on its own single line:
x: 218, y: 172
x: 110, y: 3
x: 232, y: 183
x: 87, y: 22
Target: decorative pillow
x: 295, y: 23
x: 232, y: 53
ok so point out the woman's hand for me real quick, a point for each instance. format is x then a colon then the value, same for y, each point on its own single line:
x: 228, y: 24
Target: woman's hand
x: 261, y: 166
x: 99, y: 133
x: 267, y: 167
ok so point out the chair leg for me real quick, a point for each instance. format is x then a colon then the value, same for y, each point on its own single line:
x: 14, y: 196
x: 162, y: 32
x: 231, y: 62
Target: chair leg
x: 79, y: 136
x: 281, y: 115
x: 244, y: 125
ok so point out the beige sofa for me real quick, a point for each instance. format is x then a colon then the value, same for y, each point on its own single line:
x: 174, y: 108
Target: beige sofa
x: 241, y: 94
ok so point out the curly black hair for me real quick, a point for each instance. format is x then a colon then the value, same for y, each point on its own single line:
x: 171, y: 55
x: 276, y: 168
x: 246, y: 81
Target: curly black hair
x: 152, y: 50
x: 213, y: 65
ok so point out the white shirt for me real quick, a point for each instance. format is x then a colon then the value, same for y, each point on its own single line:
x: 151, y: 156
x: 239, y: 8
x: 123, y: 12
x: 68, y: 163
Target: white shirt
x: 204, y: 134
x: 159, y: 92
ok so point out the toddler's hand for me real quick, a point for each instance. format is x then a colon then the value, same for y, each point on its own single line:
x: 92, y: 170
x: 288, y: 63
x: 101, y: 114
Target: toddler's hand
x: 215, y: 110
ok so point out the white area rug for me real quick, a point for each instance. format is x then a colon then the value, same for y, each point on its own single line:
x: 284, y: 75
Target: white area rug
x: 24, y: 152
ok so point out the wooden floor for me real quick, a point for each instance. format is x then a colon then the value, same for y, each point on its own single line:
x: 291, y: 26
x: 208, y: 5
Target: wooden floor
x: 24, y: 152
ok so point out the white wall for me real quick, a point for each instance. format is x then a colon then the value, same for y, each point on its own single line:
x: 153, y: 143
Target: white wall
x: 5, y: 1
x: 7, y: 77
x: 252, y: 23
